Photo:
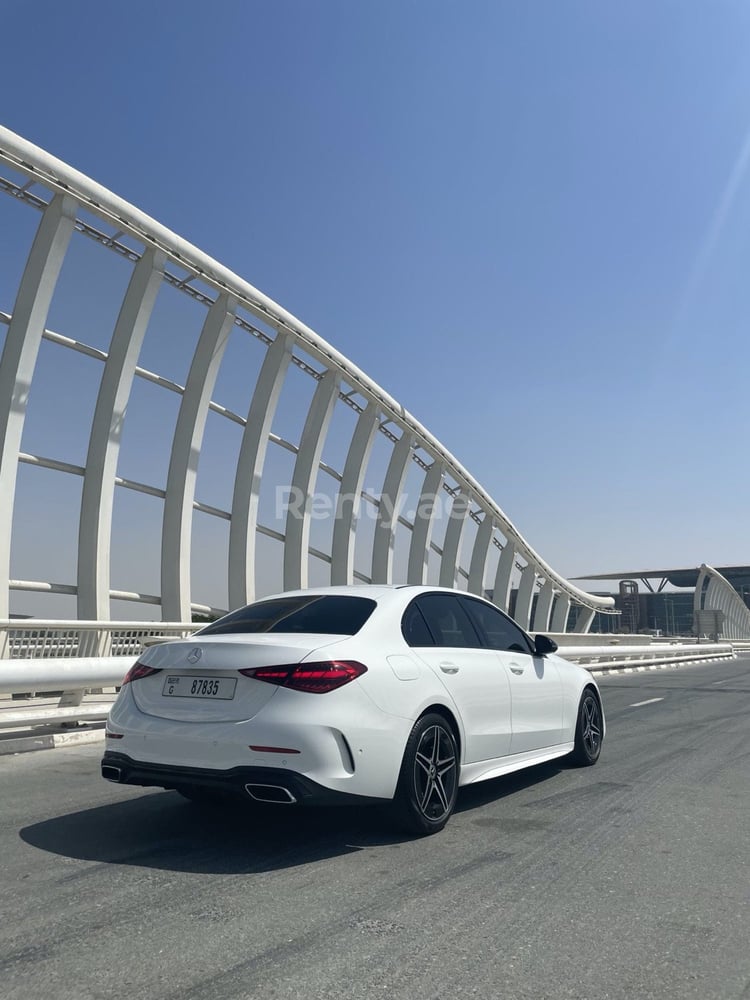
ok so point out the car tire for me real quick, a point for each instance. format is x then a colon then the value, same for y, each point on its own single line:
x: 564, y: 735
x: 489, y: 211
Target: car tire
x: 428, y: 780
x: 589, y: 726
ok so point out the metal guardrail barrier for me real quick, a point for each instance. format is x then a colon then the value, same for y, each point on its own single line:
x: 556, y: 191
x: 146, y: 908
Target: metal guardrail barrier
x: 71, y: 658
x: 596, y: 658
x: 63, y: 669
x: 31, y: 638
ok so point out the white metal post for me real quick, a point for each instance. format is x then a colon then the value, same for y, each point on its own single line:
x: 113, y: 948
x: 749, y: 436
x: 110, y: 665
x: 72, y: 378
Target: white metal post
x: 525, y: 596
x: 348, y: 500
x: 543, y: 608
x: 424, y: 520
x: 585, y: 618
x: 560, y: 614
x: 297, y: 534
x: 479, y: 553
x: 97, y: 499
x: 504, y: 575
x: 388, y: 510
x: 252, y: 457
x: 183, y: 462
x: 452, y: 541
x: 19, y: 358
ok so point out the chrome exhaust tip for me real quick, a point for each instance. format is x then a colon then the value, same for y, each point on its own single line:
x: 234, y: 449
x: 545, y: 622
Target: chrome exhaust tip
x: 276, y: 794
x: 111, y: 773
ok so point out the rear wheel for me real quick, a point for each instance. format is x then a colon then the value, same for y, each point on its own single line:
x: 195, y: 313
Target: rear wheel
x: 589, y: 731
x: 428, y: 782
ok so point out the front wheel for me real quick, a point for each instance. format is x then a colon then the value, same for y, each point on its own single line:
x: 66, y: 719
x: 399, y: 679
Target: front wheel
x: 428, y: 781
x: 589, y: 731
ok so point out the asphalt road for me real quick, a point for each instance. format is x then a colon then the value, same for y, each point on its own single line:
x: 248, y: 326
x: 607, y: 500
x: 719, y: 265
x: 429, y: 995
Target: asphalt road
x: 627, y: 880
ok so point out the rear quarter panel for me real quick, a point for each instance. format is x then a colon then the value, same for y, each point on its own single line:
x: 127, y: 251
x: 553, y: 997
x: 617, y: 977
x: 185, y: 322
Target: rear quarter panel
x: 574, y: 679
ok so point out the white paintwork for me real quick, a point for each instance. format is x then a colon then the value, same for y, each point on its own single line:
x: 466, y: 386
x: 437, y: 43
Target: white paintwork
x: 485, y: 770
x: 505, y: 720
x: 536, y: 691
x: 478, y: 683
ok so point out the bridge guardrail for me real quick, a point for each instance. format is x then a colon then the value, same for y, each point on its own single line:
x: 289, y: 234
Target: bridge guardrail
x: 71, y: 658
x: 31, y: 638
x: 76, y: 675
x: 597, y: 658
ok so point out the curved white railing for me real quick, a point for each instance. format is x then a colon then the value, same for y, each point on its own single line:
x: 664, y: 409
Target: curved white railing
x: 719, y: 609
x: 544, y: 597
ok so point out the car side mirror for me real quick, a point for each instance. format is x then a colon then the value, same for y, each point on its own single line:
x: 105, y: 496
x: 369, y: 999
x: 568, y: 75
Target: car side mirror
x: 543, y: 644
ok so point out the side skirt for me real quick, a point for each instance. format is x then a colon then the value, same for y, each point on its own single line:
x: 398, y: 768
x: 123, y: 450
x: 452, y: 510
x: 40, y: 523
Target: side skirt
x: 485, y: 769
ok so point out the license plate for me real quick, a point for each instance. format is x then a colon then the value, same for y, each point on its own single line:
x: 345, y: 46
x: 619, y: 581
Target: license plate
x: 181, y: 686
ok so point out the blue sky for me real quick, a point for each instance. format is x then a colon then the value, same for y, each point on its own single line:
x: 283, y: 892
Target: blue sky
x: 529, y: 222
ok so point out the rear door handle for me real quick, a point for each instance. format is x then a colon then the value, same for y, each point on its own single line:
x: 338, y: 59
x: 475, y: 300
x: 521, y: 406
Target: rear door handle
x: 515, y: 669
x: 448, y: 668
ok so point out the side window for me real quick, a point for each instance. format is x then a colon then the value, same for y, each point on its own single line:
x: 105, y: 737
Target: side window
x: 447, y: 621
x: 414, y: 627
x: 499, y: 630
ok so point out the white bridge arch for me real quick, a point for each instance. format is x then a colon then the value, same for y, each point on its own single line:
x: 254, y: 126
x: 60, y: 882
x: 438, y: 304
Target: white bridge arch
x: 480, y: 550
x: 718, y: 608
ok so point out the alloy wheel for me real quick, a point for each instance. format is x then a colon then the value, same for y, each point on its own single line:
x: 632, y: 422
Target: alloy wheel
x: 591, y: 730
x: 435, y: 773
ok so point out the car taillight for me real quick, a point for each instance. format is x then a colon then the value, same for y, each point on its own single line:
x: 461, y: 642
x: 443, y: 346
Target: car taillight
x: 137, y: 671
x: 315, y: 678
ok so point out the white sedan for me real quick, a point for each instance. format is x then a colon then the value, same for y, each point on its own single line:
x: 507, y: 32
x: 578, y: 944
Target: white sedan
x: 372, y: 694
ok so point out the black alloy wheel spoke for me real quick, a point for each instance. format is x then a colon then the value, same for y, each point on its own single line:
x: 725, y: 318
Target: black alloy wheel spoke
x: 591, y: 728
x: 433, y: 764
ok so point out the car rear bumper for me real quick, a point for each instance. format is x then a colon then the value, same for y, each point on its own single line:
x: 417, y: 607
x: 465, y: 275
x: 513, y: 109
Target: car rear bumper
x: 274, y: 785
x: 346, y: 744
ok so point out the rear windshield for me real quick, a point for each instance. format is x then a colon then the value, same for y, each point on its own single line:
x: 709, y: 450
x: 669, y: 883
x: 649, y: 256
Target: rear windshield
x: 334, y: 615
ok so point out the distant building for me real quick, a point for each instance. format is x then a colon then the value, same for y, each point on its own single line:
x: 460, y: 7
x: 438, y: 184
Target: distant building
x: 656, y: 610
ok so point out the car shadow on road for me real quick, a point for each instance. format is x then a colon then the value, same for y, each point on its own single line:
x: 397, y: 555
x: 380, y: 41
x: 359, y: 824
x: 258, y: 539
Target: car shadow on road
x: 473, y: 797
x: 160, y: 830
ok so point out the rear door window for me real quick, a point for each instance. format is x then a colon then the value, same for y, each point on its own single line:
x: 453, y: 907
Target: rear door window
x: 414, y: 628
x: 497, y: 630
x: 447, y: 621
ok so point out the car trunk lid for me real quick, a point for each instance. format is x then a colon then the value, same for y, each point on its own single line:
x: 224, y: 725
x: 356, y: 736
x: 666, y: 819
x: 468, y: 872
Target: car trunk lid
x: 198, y: 680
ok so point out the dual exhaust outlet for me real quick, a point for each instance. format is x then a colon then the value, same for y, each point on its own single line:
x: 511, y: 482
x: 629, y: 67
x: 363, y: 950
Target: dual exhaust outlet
x: 276, y: 794
x: 270, y: 793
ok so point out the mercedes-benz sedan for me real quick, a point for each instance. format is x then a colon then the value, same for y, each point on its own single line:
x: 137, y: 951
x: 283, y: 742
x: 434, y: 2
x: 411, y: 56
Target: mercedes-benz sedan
x: 373, y: 694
